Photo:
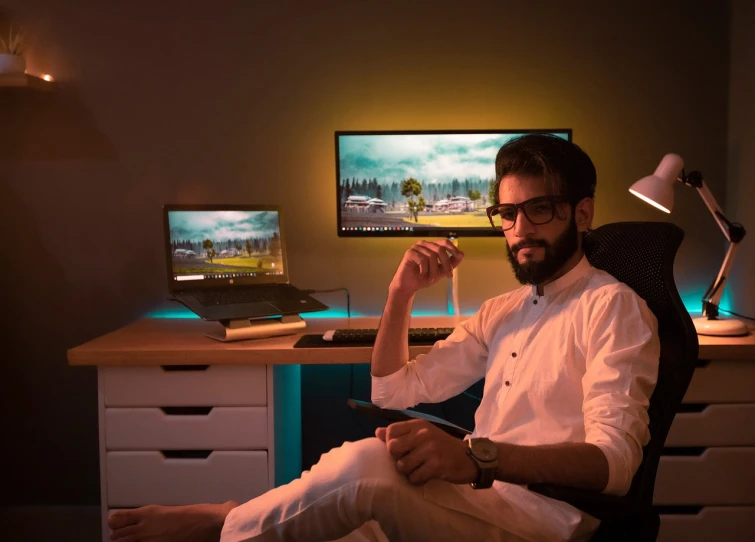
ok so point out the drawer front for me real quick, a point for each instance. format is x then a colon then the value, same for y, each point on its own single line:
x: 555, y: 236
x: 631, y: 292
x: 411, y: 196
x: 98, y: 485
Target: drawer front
x: 214, y: 385
x: 719, y: 476
x: 723, y: 381
x: 725, y: 523
x: 218, y: 428
x: 141, y: 478
x: 717, y: 425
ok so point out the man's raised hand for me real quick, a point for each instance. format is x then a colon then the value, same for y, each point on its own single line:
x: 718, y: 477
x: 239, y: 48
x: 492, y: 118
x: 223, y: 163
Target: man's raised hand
x: 424, y: 264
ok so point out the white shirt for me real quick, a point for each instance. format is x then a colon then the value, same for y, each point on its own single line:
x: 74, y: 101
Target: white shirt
x: 577, y: 364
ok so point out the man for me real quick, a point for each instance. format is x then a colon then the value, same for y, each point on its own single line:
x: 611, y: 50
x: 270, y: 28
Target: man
x: 569, y: 361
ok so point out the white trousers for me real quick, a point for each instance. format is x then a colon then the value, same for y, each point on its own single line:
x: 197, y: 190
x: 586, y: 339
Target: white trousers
x: 355, y: 488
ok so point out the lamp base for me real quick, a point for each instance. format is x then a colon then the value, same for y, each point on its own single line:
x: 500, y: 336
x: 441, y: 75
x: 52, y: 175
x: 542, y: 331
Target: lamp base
x: 729, y: 327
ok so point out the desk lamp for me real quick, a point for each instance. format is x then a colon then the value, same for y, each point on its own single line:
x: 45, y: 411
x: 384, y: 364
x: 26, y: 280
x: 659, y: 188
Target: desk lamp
x: 658, y: 190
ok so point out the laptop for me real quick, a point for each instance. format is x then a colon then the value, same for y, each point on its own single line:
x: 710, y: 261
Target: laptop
x: 228, y: 262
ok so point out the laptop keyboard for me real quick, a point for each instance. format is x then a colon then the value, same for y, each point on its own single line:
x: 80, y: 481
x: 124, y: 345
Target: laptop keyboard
x: 232, y: 296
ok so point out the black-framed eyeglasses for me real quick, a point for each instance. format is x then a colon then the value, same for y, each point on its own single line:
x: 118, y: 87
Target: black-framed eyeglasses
x: 538, y: 211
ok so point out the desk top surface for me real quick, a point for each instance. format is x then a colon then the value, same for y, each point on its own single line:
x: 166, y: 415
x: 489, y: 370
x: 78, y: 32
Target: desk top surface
x: 158, y: 341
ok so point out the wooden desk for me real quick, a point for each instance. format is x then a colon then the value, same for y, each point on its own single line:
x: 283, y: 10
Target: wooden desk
x: 165, y: 389
x: 156, y: 341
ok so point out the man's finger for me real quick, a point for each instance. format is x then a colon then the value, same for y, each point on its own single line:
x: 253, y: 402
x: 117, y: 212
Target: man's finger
x: 413, y: 460
x: 423, y: 474
x: 397, y: 429
x: 430, y: 261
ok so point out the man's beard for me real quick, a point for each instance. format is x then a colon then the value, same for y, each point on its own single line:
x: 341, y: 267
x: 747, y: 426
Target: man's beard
x: 556, y: 255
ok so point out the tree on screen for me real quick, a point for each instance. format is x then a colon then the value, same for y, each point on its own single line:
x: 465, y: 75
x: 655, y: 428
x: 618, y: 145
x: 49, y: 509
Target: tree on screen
x: 491, y: 191
x: 410, y: 188
x: 207, y: 246
x: 474, y: 195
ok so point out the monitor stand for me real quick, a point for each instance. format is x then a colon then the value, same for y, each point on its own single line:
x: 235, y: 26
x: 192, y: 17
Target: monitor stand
x: 245, y: 328
x: 452, y: 290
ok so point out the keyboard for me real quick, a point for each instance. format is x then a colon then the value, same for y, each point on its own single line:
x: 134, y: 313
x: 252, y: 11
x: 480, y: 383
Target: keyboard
x: 227, y: 296
x: 417, y: 335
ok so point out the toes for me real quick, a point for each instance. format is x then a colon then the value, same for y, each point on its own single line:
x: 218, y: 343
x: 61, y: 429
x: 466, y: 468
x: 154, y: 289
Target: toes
x: 122, y: 518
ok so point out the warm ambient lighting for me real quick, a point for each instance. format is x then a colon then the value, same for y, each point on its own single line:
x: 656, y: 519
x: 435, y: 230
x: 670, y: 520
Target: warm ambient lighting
x: 48, y: 77
x: 658, y: 190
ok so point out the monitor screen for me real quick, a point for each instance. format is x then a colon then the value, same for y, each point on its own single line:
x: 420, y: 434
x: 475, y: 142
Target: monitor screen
x: 419, y: 183
x: 207, y: 244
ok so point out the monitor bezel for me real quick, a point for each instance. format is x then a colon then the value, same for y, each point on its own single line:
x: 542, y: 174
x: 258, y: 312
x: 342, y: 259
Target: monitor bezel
x: 175, y: 285
x: 425, y: 232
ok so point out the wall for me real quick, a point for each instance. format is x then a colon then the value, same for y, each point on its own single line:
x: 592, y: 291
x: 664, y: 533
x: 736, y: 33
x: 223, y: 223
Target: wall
x: 741, y: 178
x: 175, y: 102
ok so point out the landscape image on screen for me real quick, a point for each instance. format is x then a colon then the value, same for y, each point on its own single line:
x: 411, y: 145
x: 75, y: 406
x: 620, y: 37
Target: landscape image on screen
x: 417, y: 181
x: 244, y: 243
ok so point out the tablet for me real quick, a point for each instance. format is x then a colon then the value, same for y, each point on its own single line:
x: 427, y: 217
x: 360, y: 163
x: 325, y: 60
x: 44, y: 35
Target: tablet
x: 404, y: 415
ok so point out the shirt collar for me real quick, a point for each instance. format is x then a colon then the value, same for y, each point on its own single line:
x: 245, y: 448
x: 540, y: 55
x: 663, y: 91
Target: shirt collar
x: 573, y: 275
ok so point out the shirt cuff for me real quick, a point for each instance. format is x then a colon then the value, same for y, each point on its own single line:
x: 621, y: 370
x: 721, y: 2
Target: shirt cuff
x: 618, y: 479
x: 384, y: 388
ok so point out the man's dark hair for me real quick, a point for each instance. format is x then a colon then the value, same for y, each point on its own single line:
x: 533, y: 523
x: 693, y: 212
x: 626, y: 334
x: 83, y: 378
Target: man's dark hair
x: 566, y: 168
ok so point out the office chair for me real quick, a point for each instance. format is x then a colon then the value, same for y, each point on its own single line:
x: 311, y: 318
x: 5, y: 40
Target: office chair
x: 641, y: 255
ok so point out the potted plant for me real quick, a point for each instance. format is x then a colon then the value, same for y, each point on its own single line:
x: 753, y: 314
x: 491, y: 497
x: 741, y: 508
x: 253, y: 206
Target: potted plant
x: 11, y: 51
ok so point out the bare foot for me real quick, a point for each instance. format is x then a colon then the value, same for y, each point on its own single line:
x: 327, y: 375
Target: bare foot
x: 195, y: 523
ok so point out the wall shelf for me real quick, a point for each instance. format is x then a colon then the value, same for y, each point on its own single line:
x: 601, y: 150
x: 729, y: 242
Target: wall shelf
x: 24, y: 80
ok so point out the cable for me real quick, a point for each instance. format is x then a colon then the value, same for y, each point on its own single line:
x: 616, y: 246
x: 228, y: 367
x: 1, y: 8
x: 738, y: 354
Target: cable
x: 331, y: 290
x: 737, y: 314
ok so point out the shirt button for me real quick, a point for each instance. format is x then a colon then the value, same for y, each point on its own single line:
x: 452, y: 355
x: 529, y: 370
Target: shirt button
x: 507, y: 383
x: 513, y: 354
x: 534, y: 301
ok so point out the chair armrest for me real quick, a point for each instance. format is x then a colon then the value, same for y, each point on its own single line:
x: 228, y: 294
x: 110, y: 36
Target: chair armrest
x: 598, y: 505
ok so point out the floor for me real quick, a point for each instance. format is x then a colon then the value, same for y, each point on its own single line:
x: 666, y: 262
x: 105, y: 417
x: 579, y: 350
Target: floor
x: 50, y: 523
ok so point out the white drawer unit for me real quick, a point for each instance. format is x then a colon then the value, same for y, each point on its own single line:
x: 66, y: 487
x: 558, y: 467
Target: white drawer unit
x: 719, y: 476
x: 186, y: 428
x: 175, y: 435
x: 185, y: 385
x: 705, y: 487
x: 138, y: 478
x: 724, y: 523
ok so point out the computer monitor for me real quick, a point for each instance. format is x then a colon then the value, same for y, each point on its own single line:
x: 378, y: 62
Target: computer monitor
x: 217, y: 244
x: 421, y: 183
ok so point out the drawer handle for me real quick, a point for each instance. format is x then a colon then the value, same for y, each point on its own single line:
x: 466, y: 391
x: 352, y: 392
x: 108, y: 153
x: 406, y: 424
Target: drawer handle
x: 678, y: 510
x: 695, y: 408
x: 186, y: 411
x: 171, y: 368
x: 687, y: 451
x: 186, y: 454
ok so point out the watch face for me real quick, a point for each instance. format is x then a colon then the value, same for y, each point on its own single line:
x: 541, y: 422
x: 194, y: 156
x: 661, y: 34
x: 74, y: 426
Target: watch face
x: 485, y: 450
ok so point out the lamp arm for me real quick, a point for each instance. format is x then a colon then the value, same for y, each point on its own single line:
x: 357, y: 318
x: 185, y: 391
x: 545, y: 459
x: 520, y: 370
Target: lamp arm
x: 713, y: 294
x: 733, y: 232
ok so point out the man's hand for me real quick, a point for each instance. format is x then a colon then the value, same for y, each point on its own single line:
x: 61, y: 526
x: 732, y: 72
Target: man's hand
x: 424, y: 264
x: 424, y: 452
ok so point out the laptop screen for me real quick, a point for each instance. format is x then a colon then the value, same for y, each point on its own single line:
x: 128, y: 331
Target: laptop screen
x: 208, y: 246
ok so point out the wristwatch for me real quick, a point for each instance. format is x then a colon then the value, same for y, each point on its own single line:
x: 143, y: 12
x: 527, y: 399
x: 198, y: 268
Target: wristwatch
x: 484, y: 453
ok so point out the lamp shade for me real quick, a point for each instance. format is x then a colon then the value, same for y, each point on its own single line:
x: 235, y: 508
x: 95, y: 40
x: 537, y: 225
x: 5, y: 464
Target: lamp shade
x: 658, y: 189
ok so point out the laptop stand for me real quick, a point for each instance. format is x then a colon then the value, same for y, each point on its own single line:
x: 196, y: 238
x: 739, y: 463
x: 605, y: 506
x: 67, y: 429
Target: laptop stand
x: 244, y: 328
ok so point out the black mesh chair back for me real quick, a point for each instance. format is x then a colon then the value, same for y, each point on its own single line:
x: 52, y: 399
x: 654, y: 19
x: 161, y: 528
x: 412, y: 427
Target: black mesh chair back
x: 641, y: 255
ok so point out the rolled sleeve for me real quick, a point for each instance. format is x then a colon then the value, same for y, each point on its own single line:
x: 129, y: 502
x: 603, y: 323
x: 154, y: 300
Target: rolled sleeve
x: 450, y: 367
x: 621, y: 373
